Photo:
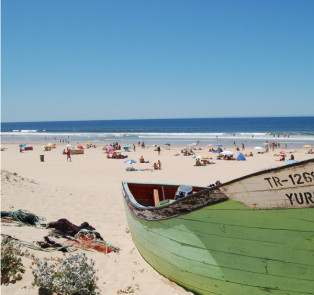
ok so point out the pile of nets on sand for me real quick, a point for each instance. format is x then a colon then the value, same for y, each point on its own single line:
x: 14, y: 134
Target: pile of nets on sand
x: 83, y: 236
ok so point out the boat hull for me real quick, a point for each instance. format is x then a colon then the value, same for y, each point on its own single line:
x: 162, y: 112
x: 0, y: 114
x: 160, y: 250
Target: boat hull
x: 229, y: 249
x: 250, y: 236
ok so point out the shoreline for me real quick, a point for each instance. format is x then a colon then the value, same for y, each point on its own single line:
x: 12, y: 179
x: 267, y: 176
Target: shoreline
x: 228, y: 142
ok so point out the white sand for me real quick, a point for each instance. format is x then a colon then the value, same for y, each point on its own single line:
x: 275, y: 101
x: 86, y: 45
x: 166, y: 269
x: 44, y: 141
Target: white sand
x: 89, y: 189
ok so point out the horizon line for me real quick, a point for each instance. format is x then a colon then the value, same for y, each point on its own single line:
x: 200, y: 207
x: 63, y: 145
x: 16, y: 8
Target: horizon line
x: 236, y: 117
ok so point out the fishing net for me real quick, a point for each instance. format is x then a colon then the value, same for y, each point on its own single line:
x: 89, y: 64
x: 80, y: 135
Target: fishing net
x: 23, y: 217
x: 88, y: 240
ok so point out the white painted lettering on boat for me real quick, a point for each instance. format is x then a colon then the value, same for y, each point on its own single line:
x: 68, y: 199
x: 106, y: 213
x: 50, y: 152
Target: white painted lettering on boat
x: 294, y: 179
x: 300, y: 198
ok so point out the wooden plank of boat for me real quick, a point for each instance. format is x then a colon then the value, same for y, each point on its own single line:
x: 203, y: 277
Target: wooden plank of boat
x: 217, y: 242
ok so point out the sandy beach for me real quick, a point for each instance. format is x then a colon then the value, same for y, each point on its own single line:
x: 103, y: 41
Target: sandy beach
x: 89, y: 189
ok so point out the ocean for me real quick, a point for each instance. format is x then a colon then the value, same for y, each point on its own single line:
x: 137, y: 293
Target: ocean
x: 288, y: 131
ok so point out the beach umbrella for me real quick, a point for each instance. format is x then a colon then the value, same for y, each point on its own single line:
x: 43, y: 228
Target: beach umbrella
x: 130, y: 161
x: 227, y: 153
x: 199, y: 157
x: 49, y: 144
x: 291, y: 151
x: 22, y: 145
x: 282, y: 152
x: 80, y: 147
x: 68, y: 145
x: 210, y: 145
x: 111, y: 152
x: 126, y: 146
x: 307, y: 146
x: 168, y: 144
x: 193, y: 144
x: 111, y: 148
x: 218, y: 144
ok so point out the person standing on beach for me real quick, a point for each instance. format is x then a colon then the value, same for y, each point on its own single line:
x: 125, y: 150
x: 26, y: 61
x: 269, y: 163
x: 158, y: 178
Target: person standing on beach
x: 158, y: 150
x: 69, y: 155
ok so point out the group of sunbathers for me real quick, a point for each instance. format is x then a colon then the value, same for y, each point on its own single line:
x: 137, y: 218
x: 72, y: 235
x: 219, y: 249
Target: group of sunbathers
x: 225, y: 157
x: 156, y: 166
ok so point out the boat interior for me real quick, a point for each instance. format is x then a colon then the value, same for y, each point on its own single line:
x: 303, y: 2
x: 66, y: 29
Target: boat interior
x: 157, y: 195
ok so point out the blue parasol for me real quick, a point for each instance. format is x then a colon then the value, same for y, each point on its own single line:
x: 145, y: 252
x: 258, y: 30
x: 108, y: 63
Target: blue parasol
x: 288, y: 162
x: 130, y: 161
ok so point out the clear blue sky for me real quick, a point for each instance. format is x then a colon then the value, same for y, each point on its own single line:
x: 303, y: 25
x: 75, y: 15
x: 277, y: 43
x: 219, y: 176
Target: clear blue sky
x: 98, y: 59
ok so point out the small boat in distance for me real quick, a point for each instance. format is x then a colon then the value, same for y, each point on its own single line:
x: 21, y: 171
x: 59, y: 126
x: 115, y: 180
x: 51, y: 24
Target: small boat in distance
x: 253, y: 235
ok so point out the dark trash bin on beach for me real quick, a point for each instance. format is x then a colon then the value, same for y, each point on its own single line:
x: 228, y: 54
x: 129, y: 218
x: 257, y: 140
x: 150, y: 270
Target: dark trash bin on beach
x: 42, y: 158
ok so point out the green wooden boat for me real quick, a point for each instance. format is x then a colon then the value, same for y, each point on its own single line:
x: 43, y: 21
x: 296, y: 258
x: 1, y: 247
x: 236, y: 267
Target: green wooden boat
x: 252, y: 235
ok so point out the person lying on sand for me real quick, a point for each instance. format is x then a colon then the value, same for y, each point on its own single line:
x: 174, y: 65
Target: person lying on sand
x: 227, y: 157
x: 198, y: 163
x: 207, y: 161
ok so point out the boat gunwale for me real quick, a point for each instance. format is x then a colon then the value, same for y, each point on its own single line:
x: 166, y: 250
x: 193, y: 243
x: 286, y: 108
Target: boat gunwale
x: 208, y: 196
x: 266, y: 171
